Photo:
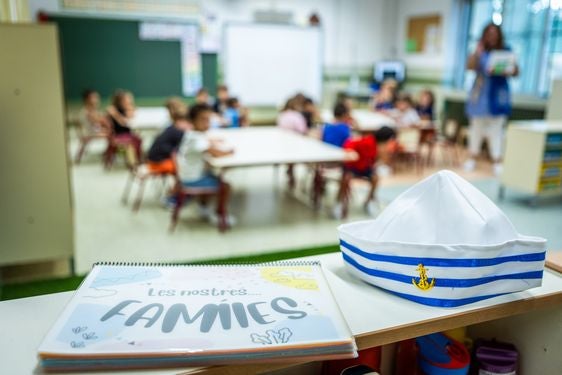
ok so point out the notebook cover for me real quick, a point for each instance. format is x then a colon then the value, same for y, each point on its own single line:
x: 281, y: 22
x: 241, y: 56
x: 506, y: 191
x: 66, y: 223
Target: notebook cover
x: 235, y: 312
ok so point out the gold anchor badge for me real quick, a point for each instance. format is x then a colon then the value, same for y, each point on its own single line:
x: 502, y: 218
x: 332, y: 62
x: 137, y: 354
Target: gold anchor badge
x: 423, y: 284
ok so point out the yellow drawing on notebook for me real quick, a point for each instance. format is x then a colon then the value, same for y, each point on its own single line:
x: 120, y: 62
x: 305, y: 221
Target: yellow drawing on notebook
x: 422, y: 283
x: 298, y: 277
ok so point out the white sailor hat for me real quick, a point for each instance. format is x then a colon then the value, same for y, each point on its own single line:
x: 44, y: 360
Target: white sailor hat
x: 443, y: 243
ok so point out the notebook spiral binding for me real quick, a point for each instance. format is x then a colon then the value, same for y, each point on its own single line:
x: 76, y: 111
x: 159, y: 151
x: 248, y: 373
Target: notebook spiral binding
x: 285, y: 263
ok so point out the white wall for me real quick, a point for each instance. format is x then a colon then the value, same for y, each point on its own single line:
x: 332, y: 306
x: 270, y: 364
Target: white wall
x: 354, y: 30
x: 435, y: 64
x: 357, y: 33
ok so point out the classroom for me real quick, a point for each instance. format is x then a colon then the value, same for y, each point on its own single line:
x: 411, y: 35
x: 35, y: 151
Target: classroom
x: 359, y: 186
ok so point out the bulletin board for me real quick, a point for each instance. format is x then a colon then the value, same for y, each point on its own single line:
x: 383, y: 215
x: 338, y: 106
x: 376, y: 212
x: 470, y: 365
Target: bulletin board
x: 424, y: 34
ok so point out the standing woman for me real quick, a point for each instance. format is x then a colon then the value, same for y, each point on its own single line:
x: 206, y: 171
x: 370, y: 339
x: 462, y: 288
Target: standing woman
x: 489, y: 101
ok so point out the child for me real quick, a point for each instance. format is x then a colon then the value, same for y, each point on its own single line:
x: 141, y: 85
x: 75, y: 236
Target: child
x: 160, y: 153
x: 405, y: 113
x: 365, y: 146
x: 192, y: 168
x: 222, y: 97
x: 337, y: 133
x: 92, y: 121
x: 291, y: 119
x: 428, y: 132
x: 202, y: 96
x: 232, y: 116
x: 348, y: 103
x: 309, y: 112
x: 384, y: 98
x: 120, y: 112
x: 425, y: 105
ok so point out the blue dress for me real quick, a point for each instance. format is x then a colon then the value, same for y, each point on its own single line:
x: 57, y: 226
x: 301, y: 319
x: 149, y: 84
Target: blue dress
x: 489, y: 95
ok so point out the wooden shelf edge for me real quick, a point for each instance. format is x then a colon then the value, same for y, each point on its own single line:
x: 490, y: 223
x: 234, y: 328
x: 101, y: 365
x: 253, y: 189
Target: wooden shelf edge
x: 484, y: 314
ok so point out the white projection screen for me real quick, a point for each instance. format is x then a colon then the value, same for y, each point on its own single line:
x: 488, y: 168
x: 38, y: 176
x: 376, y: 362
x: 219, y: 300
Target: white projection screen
x: 264, y: 64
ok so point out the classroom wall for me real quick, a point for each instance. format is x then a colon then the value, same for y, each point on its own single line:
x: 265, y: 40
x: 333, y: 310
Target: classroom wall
x: 359, y: 31
x: 423, y: 66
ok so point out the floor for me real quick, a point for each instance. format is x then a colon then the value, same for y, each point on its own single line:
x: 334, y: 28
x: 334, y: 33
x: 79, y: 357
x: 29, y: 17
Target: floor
x: 268, y: 217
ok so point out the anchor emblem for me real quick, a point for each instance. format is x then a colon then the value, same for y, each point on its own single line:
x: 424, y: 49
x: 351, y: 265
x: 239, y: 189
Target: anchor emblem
x: 423, y: 283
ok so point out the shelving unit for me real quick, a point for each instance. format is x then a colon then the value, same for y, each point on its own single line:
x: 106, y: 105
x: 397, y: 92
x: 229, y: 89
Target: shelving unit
x: 533, y: 158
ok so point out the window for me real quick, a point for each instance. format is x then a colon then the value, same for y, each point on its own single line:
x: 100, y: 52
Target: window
x: 532, y: 29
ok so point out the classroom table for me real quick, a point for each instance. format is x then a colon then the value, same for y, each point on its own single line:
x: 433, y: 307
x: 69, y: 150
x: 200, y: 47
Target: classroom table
x: 269, y: 145
x: 367, y: 120
x: 274, y: 146
x: 375, y: 318
x: 150, y: 118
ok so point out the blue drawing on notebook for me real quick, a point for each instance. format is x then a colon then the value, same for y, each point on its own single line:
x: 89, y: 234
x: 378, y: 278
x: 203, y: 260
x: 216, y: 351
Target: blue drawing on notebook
x: 79, y: 335
x: 314, y: 327
x: 109, y: 276
x: 271, y: 336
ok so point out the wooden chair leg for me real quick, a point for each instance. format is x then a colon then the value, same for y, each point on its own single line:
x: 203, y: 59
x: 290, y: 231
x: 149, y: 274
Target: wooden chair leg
x: 80, y: 152
x: 175, y: 214
x: 140, y: 193
x: 317, y: 187
x: 346, y: 196
x: 110, y: 156
x: 222, y: 202
x: 291, y: 177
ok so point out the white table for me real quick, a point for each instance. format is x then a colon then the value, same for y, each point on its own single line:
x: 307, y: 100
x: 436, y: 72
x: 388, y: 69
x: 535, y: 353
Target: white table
x: 367, y: 120
x: 261, y: 146
x: 150, y: 118
x: 271, y: 146
x: 374, y: 316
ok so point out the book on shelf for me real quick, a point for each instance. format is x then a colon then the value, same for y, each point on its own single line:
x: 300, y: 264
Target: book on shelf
x: 150, y: 316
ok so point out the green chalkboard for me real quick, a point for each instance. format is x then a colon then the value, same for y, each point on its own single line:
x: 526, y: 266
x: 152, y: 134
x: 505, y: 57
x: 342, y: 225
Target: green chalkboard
x: 106, y: 54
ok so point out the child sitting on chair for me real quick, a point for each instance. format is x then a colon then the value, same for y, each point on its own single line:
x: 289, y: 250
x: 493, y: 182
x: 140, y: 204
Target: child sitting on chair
x: 384, y: 99
x: 92, y: 121
x: 291, y: 119
x: 337, y: 133
x: 160, y: 153
x: 404, y: 113
x: 425, y: 105
x: 120, y: 112
x: 365, y: 147
x: 234, y: 114
x: 193, y: 171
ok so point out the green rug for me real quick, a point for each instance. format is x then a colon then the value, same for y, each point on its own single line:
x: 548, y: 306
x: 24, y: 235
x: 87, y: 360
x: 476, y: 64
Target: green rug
x: 35, y: 288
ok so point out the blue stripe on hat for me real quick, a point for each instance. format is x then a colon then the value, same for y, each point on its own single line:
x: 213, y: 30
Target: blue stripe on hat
x: 445, y: 262
x: 442, y: 302
x: 441, y: 282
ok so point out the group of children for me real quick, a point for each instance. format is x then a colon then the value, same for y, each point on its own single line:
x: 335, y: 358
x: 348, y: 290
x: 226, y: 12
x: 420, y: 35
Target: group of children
x: 114, y: 123
x: 299, y: 115
x: 179, y: 149
x: 228, y: 110
x: 401, y: 107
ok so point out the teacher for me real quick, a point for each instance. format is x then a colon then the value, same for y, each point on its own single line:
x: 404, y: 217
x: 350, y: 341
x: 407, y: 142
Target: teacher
x: 489, y: 100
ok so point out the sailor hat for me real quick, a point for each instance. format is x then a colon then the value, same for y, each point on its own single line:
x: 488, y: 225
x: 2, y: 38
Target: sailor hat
x: 443, y: 243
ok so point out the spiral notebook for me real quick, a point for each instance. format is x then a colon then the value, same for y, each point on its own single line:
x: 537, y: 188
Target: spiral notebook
x: 147, y: 316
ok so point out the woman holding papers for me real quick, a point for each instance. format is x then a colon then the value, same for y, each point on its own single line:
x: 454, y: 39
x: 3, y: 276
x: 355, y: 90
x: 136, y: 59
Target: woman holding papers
x: 489, y: 101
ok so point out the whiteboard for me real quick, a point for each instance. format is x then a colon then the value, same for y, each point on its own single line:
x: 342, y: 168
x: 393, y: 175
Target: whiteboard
x: 265, y: 64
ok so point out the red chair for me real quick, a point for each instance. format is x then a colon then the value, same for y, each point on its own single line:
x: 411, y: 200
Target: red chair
x: 123, y: 143
x: 141, y: 174
x: 183, y: 193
